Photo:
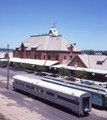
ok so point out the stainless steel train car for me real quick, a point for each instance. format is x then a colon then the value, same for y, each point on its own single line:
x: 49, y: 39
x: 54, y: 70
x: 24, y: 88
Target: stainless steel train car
x: 99, y: 94
x: 76, y: 100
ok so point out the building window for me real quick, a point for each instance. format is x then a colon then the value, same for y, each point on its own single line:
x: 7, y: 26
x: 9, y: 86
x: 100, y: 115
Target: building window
x: 35, y: 56
x: 77, y: 63
x: 44, y: 56
x: 31, y: 56
x: 49, y: 57
x: 22, y: 50
x: 70, y: 57
x: 99, y: 62
x: 64, y: 57
x: 39, y: 56
x: 50, y: 31
x: 22, y: 55
x: 27, y: 56
x: 70, y: 50
x: 56, y: 57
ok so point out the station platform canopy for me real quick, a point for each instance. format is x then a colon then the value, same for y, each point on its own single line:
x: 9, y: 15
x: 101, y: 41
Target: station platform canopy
x: 33, y: 61
x: 90, y: 70
x: 1, y: 60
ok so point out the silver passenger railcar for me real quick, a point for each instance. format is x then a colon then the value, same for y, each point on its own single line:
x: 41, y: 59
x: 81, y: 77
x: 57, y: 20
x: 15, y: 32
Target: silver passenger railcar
x: 76, y: 100
x: 99, y: 94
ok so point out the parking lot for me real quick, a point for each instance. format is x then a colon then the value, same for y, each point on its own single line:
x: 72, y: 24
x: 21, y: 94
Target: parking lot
x: 15, y: 105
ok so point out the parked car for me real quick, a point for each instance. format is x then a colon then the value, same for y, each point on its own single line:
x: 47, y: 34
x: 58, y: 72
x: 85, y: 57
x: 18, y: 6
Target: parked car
x: 87, y: 82
x: 17, y: 69
x: 104, y: 85
x: 30, y: 71
x: 78, y: 80
x: 3, y: 66
x: 41, y: 74
x: 70, y: 78
x: 11, y: 68
x: 53, y: 75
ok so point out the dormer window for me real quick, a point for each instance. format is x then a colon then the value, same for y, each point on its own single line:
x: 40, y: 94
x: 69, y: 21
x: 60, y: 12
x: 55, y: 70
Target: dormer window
x: 99, y: 62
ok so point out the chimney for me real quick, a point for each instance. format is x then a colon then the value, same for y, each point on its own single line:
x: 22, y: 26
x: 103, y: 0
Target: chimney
x: 75, y: 44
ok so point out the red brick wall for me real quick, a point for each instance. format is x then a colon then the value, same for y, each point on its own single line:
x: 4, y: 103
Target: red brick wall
x: 80, y: 63
x: 61, y: 55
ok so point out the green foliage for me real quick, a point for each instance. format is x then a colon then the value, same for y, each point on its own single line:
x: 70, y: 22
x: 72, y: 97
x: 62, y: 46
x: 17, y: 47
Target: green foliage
x: 63, y: 71
x: 90, y: 52
x: 41, y: 68
x: 27, y: 66
x: 15, y: 65
x: 80, y: 74
x: 3, y: 62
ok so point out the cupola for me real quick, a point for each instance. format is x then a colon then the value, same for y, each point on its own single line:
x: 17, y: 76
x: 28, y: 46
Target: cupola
x: 53, y: 32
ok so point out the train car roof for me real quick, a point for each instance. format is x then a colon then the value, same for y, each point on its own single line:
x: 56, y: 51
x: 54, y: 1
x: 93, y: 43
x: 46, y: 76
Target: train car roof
x: 51, y: 86
x: 74, y: 85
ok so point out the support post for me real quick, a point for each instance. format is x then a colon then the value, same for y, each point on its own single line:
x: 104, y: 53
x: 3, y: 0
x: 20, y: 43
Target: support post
x: 8, y: 66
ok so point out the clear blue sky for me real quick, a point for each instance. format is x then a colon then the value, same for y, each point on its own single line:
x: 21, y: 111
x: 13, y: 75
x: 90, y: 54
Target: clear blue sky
x: 83, y: 22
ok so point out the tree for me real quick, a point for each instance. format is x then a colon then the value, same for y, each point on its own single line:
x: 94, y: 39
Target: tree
x: 41, y: 68
x: 90, y: 52
x: 63, y: 71
x: 27, y: 66
x: 80, y: 74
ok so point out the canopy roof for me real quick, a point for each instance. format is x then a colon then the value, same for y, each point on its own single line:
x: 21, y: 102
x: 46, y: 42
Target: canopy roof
x: 33, y: 61
x: 91, y: 70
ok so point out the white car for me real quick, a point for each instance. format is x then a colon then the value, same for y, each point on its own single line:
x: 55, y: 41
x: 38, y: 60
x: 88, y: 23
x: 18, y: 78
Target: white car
x: 104, y: 85
x: 78, y: 80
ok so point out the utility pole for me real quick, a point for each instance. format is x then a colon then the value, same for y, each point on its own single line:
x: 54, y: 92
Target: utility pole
x: 8, y: 66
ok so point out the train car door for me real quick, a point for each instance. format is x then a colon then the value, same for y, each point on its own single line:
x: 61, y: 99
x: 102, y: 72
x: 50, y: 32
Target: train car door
x: 85, y: 103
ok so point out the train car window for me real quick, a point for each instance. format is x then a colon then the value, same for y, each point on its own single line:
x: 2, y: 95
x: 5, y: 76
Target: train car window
x: 44, y: 92
x: 19, y: 83
x: 27, y: 86
x: 23, y: 85
x: 41, y: 91
x: 68, y: 100
x: 16, y: 82
x: 55, y: 95
x: 32, y: 88
x: 49, y: 93
x: 91, y: 96
x: 35, y: 89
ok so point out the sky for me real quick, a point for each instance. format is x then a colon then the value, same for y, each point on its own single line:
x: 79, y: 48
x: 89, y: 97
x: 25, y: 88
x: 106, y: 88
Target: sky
x: 83, y: 22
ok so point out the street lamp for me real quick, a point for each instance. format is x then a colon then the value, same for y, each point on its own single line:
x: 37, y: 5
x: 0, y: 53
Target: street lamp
x: 55, y: 70
x: 106, y: 78
x: 93, y: 74
x: 50, y: 69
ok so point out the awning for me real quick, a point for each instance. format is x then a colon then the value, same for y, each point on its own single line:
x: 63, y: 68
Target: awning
x: 3, y: 60
x: 33, y: 61
x: 49, y: 62
x: 90, y: 70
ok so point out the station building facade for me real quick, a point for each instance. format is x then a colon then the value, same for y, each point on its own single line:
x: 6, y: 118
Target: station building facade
x: 51, y: 47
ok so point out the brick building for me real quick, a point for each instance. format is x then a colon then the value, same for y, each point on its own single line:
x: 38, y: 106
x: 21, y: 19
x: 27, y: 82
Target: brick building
x: 47, y: 47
